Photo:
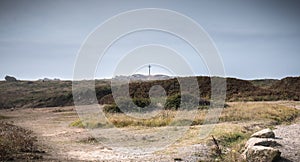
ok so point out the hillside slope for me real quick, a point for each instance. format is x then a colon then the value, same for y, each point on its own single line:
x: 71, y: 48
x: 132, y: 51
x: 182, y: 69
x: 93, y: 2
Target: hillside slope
x: 59, y: 93
x: 291, y: 84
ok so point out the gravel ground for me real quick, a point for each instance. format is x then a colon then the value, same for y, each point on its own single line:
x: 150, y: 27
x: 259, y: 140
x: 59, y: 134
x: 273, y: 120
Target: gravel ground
x: 289, y: 137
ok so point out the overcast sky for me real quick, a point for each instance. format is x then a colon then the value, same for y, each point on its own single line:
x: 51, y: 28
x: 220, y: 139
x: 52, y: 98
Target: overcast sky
x: 255, y: 39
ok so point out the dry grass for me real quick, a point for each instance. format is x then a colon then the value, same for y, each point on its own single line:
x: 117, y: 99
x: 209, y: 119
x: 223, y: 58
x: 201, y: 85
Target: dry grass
x: 265, y: 112
x: 236, y: 124
x: 230, y: 136
x: 122, y: 120
x: 259, y: 112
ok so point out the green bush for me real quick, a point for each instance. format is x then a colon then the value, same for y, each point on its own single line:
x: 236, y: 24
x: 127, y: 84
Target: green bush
x: 173, y: 102
x: 141, y: 102
x: 111, y: 109
x: 185, y: 102
x: 232, y: 138
x: 128, y: 105
x: 77, y: 123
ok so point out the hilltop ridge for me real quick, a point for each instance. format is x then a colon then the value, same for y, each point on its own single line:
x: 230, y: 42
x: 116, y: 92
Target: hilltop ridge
x: 25, y: 94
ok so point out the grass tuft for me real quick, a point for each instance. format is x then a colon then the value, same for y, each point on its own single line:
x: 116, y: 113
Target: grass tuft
x: 4, y: 117
x: 77, y: 123
x: 91, y: 124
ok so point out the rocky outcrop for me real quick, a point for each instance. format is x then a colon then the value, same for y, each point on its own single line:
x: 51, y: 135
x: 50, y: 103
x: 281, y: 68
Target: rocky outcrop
x: 261, y: 147
x: 10, y: 78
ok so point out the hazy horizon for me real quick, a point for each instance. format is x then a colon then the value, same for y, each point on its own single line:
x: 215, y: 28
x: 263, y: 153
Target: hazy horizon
x: 66, y: 79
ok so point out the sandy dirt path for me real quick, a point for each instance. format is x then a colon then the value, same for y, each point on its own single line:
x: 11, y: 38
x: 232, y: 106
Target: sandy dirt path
x: 64, y: 143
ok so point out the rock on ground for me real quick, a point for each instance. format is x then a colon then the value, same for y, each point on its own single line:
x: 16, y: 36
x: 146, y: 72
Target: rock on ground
x: 260, y: 147
x: 262, y: 154
x: 265, y: 133
x: 267, y: 142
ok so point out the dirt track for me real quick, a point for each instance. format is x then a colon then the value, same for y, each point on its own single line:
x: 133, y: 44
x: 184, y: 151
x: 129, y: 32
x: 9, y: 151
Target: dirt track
x: 64, y: 143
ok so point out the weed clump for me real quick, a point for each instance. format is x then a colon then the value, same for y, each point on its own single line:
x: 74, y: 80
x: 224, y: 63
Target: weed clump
x: 91, y: 124
x: 228, y: 146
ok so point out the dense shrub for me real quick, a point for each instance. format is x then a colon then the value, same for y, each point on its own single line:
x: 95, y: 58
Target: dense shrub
x: 107, y: 99
x: 17, y: 143
x: 141, y: 102
x: 102, y: 91
x: 173, y: 102
x: 129, y: 105
x: 186, y: 101
x: 111, y: 109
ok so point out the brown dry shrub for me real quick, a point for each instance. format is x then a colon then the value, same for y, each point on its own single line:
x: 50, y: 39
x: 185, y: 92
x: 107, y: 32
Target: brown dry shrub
x: 17, y: 143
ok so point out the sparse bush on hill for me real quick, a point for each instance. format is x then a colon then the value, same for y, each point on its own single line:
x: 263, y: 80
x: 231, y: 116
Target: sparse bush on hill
x: 264, y: 83
x: 288, y: 84
x: 59, y: 93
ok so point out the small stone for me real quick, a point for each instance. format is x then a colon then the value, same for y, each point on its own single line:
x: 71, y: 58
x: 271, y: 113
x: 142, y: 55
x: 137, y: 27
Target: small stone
x: 265, y: 133
x: 177, y: 159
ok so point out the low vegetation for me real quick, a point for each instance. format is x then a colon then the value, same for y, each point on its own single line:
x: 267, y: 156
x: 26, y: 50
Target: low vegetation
x: 274, y: 113
x: 4, y: 117
x: 230, y: 147
x: 17, y: 143
x: 173, y: 102
x: 236, y: 112
x: 89, y: 124
x: 59, y: 93
x: 237, y: 122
